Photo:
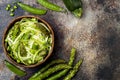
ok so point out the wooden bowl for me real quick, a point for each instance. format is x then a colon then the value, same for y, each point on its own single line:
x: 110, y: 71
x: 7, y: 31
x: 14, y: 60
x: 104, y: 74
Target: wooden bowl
x: 9, y: 27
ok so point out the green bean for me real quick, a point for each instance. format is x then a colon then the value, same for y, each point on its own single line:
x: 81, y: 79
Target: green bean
x: 63, y: 72
x: 72, y: 72
x: 31, y: 9
x: 57, y: 61
x: 50, y: 5
x: 52, y: 70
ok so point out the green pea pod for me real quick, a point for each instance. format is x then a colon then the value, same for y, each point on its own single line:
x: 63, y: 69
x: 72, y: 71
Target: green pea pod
x: 73, y: 71
x: 32, y: 9
x: 50, y: 5
x: 57, y: 61
x: 63, y: 72
x: 52, y: 70
x: 75, y: 6
x: 15, y: 69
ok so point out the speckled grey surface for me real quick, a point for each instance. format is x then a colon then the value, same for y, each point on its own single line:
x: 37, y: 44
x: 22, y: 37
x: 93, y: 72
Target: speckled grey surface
x: 96, y: 36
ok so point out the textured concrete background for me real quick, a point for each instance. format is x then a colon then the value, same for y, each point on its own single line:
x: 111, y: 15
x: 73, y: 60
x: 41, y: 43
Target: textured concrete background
x: 96, y: 36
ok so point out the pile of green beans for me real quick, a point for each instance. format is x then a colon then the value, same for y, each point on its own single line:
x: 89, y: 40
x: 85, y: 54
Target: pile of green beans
x: 60, y: 67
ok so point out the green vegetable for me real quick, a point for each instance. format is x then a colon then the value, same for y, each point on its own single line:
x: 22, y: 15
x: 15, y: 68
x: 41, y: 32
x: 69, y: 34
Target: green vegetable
x: 74, y: 71
x: 15, y: 69
x: 27, y: 42
x: 32, y: 9
x: 50, y: 5
x: 58, y: 75
x: 52, y: 70
x: 72, y: 56
x: 12, y: 10
x: 62, y: 73
x: 15, y: 7
x: 12, y: 14
x: 57, y: 61
x: 8, y: 7
x: 75, y: 6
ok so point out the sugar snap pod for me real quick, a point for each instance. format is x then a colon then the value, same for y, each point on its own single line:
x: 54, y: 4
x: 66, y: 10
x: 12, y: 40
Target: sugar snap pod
x: 14, y: 69
x: 50, y: 5
x: 57, y: 61
x: 31, y: 9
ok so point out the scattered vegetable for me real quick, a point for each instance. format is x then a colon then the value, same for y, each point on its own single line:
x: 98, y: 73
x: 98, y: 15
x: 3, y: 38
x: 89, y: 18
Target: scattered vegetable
x: 75, y: 6
x: 12, y: 8
x: 28, y: 41
x: 58, y: 75
x: 8, y: 7
x: 15, y: 69
x: 50, y: 5
x: 72, y: 56
x: 62, y: 73
x: 57, y: 61
x: 15, y: 7
x: 73, y: 71
x: 11, y: 14
x: 52, y: 70
x: 31, y: 9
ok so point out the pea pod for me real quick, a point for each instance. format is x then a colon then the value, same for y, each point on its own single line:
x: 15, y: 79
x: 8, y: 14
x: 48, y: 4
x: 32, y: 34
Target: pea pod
x: 32, y: 9
x: 52, y: 70
x: 63, y: 72
x: 15, y: 69
x: 75, y: 6
x: 73, y: 71
x: 50, y: 5
x: 57, y: 61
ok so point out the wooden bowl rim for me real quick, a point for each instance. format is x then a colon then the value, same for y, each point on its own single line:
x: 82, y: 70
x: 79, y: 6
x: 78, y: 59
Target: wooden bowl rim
x: 10, y: 25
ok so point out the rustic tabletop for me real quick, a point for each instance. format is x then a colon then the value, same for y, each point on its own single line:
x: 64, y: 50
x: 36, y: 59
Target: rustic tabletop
x: 96, y: 36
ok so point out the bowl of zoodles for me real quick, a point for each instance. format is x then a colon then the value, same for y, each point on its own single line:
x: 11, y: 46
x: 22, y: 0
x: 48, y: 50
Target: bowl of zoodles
x: 28, y: 41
